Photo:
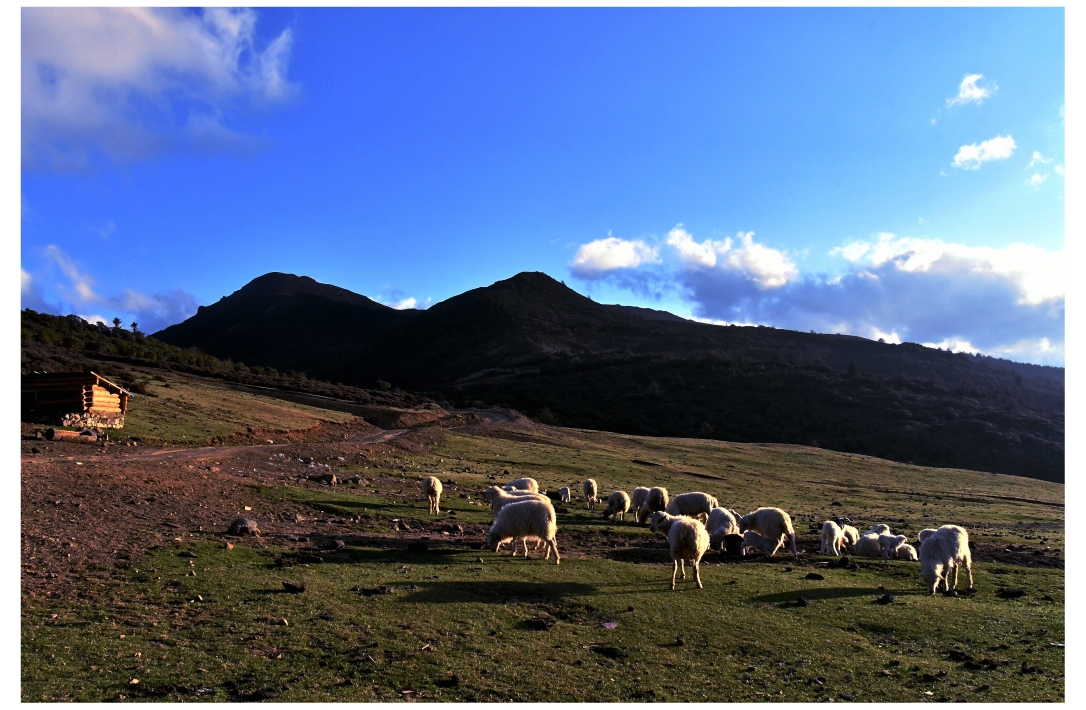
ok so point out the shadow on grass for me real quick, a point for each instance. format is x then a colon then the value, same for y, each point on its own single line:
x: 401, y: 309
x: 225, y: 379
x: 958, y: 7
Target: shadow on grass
x: 494, y: 592
x: 825, y: 593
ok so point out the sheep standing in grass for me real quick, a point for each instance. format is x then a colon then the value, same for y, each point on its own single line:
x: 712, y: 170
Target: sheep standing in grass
x: 850, y: 534
x: 880, y: 529
x: 657, y: 500
x: 867, y: 546
x: 637, y: 500
x: 589, y: 488
x: 498, y: 497
x: 563, y: 494
x: 770, y: 523
x: 431, y: 487
x: 833, y: 539
x: 888, y: 544
x: 523, y: 484
x: 687, y: 540
x: 720, y: 524
x: 693, y: 504
x: 617, y: 504
x: 923, y: 534
x: 765, y: 545
x: 906, y: 552
x: 523, y: 520
x: 944, y: 551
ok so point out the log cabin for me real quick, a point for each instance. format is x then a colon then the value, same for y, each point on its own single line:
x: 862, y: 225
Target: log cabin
x: 83, y: 399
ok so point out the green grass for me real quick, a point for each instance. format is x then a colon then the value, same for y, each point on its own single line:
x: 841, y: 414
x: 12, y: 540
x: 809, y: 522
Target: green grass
x: 744, y: 638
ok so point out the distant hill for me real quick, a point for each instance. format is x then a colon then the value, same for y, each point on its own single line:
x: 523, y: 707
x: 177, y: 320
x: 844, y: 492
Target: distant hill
x: 533, y: 344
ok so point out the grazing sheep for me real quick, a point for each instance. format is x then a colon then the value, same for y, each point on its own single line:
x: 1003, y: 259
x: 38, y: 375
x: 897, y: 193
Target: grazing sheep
x: 833, y: 539
x: 692, y: 504
x: 431, y: 486
x: 771, y: 523
x: 589, y: 488
x: 563, y: 494
x: 499, y: 498
x: 525, y: 519
x: 880, y: 529
x: 923, y: 534
x: 850, y: 534
x: 720, y: 524
x: 867, y: 546
x: 637, y: 500
x: 765, y: 545
x: 888, y: 545
x: 687, y: 540
x: 657, y: 500
x: 523, y: 484
x: 906, y: 552
x: 944, y: 550
x: 617, y: 504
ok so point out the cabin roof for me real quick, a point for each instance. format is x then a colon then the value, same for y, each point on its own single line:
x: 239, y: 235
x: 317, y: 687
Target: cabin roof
x: 59, y: 379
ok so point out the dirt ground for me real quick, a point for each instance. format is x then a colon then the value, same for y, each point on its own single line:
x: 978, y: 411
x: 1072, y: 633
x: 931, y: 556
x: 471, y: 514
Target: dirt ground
x: 88, y: 508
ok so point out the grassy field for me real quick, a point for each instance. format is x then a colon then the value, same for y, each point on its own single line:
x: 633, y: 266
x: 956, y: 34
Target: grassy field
x: 220, y: 627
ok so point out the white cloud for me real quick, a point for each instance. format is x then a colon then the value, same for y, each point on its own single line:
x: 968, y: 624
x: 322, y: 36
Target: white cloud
x: 1037, y: 275
x: 1059, y: 170
x: 765, y: 266
x: 95, y: 319
x: 970, y: 157
x: 969, y: 91
x: 891, y: 337
x: 954, y: 345
x: 130, y: 82
x: 1039, y: 159
x: 598, y: 257
x: 404, y: 304
x: 1036, y: 179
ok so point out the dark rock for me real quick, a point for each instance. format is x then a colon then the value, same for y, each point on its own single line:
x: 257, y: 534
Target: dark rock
x: 334, y: 545
x: 629, y: 608
x: 680, y: 641
x: 610, y: 651
x: 541, y: 623
x: 843, y: 562
x: 929, y: 678
x: 293, y: 588
x: 450, y: 682
x: 187, y: 553
x: 329, y: 478
x: 1011, y: 593
x: 802, y: 601
x: 243, y: 526
x: 813, y: 575
x: 885, y: 598
x: 847, y: 697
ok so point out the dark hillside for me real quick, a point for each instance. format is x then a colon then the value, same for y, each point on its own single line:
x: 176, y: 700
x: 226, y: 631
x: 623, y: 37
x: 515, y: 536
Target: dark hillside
x: 531, y: 343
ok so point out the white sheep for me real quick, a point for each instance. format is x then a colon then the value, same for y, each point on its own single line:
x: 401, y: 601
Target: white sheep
x: 687, y: 540
x: 638, y: 498
x: 923, y: 534
x: 657, y: 500
x: 944, y: 550
x: 563, y: 494
x: 770, y: 523
x: 888, y: 545
x: 833, y: 539
x: 721, y: 523
x: 589, y: 488
x: 431, y: 486
x: 617, y: 504
x: 523, y: 484
x: 523, y: 520
x: 850, y: 534
x: 693, y: 504
x: 765, y: 545
x: 880, y: 529
x: 867, y: 546
x: 499, y: 498
x: 906, y: 552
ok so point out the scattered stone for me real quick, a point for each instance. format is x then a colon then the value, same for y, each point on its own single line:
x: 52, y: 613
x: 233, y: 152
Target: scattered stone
x: 241, y: 526
x: 610, y: 624
x: 885, y: 598
x: 334, y: 545
x: 229, y: 546
x: 376, y: 590
x: 982, y: 688
x: 802, y: 601
x: 929, y: 678
x: 1011, y: 593
x: 450, y: 682
x: 885, y: 672
x: 609, y: 651
x: 629, y: 608
x: 541, y: 623
x: 187, y: 553
x: 283, y: 622
x: 680, y: 641
x: 813, y: 575
x: 293, y: 587
x: 847, y: 697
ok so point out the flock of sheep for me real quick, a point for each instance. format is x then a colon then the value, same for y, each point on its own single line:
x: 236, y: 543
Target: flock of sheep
x: 692, y: 522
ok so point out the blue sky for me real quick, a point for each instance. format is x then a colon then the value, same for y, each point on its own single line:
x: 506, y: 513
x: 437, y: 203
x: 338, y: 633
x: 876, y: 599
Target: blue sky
x: 893, y: 173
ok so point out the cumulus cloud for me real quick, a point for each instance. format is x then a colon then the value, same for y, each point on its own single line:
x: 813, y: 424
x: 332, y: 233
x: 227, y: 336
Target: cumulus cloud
x: 78, y: 294
x: 970, y: 157
x: 132, y: 82
x: 970, y: 91
x: 597, y: 258
x: 1039, y: 159
x: 1036, y: 179
x: 761, y: 265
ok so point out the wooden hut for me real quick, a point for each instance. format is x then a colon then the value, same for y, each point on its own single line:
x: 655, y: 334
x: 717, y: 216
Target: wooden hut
x: 73, y: 399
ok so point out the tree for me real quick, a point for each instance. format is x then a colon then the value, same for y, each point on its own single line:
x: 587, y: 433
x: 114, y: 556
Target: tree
x: 117, y: 323
x: 135, y: 327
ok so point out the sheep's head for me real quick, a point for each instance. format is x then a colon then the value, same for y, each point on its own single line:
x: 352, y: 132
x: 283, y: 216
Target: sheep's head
x: 744, y: 523
x: 493, y: 540
x: 661, y: 522
x: 932, y: 573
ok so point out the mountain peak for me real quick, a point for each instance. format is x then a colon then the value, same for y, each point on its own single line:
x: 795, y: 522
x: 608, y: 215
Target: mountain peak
x: 276, y: 283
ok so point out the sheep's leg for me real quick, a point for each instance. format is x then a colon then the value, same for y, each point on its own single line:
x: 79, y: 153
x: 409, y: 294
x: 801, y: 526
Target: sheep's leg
x: 524, y: 541
x: 674, y: 571
x: 969, y: 571
x: 682, y: 567
x: 697, y: 573
x: 552, y: 544
x: 955, y: 578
